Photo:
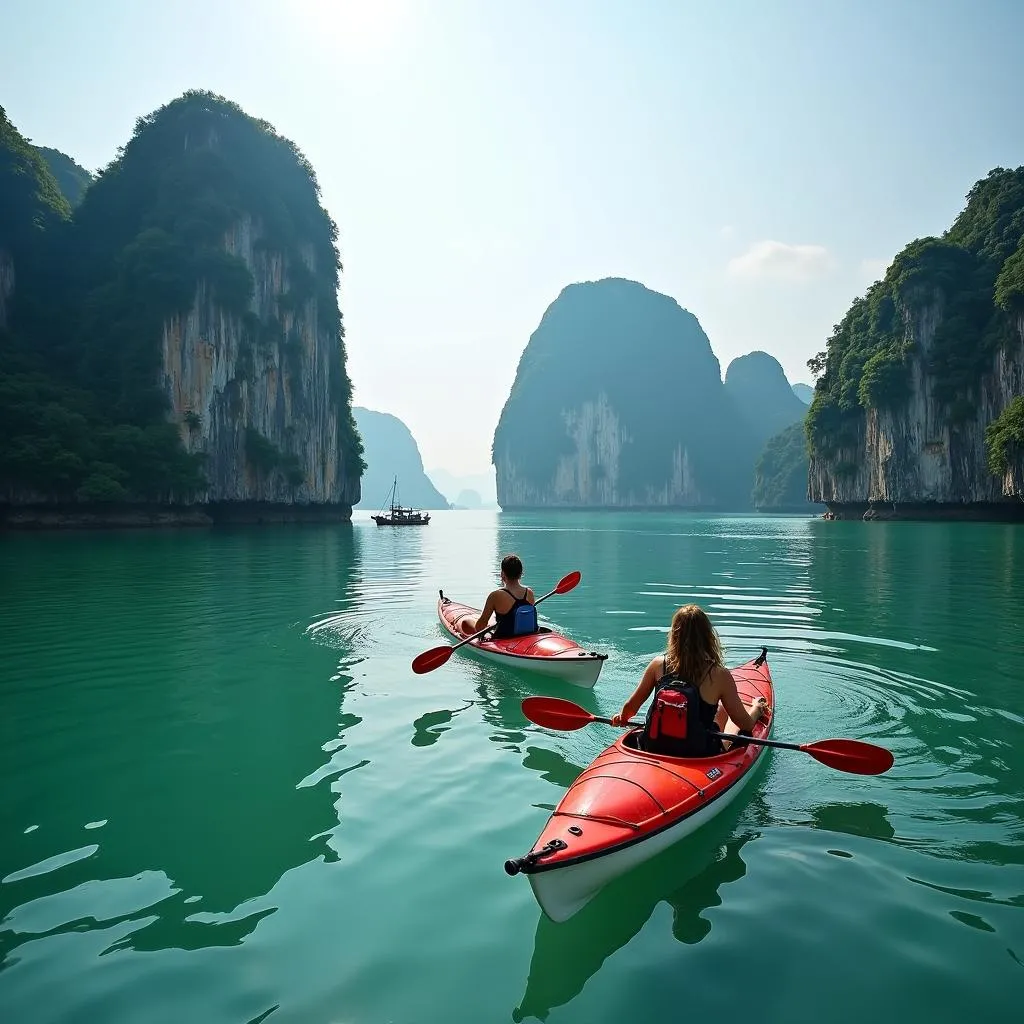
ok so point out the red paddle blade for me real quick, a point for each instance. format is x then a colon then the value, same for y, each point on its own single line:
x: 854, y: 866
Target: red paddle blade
x: 555, y: 713
x: 566, y: 583
x: 852, y: 756
x: 429, y: 660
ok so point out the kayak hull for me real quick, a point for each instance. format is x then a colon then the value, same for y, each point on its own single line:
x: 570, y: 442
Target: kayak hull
x: 545, y: 652
x: 628, y: 806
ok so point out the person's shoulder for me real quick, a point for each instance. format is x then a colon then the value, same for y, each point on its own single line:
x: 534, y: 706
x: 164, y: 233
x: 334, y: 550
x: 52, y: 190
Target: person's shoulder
x: 722, y: 676
x: 530, y: 595
x: 657, y: 664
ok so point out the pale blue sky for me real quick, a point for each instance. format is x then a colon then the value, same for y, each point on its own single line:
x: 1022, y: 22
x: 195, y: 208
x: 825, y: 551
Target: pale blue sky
x: 759, y: 160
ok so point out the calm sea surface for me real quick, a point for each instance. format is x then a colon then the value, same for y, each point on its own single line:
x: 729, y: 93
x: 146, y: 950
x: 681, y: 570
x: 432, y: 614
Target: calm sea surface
x: 224, y: 797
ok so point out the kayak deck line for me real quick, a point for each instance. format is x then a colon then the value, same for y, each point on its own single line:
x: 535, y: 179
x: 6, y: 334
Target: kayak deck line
x: 608, y: 819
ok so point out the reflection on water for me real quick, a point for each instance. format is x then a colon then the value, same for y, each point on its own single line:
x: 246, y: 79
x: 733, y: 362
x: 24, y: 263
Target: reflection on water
x: 427, y: 729
x: 199, y: 767
x: 688, y: 877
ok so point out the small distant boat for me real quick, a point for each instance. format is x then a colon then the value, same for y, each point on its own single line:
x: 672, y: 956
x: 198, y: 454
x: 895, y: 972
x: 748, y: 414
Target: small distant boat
x: 398, y: 514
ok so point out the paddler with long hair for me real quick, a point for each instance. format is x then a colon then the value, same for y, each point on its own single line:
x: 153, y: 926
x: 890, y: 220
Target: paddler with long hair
x: 694, y: 693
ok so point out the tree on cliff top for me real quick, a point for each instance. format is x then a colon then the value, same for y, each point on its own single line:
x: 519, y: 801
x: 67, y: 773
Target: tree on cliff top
x: 975, y: 272
x: 72, y: 179
x: 31, y: 204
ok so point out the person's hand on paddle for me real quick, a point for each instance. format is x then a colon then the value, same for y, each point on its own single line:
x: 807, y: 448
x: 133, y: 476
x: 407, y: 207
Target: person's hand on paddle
x: 622, y: 717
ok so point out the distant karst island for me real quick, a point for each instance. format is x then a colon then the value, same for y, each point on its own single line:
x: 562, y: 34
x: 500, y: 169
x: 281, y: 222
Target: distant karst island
x: 619, y: 402
x: 391, y: 451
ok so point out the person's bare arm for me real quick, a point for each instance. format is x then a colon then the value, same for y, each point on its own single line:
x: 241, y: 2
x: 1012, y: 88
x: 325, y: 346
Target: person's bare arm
x: 733, y: 703
x: 640, y: 694
x: 485, y: 614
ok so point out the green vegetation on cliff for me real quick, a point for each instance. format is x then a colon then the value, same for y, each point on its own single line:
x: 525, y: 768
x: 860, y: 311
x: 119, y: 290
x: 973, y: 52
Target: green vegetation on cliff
x: 780, y: 476
x: 72, y: 179
x: 82, y: 408
x: 31, y: 204
x: 972, y: 278
x: 1004, y: 438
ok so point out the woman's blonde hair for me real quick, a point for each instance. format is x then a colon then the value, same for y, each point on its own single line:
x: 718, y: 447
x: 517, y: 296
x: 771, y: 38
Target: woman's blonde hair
x: 693, y: 645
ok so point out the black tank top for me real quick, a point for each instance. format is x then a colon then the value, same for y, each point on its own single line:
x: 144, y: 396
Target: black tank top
x: 505, y: 626
x: 707, y: 711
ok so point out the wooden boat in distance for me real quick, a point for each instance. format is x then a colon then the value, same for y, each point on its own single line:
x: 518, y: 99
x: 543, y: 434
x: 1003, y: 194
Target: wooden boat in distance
x: 398, y: 514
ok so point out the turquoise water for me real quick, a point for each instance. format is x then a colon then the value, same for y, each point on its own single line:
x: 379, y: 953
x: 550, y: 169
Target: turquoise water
x: 226, y: 798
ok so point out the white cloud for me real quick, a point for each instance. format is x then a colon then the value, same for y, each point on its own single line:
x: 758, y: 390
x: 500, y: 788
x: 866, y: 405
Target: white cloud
x: 874, y: 269
x: 782, y: 262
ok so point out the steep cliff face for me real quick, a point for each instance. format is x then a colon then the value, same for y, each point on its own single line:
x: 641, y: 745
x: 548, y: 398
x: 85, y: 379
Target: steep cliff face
x: 391, y: 451
x: 923, y: 366
x: 616, y: 403
x: 180, y: 341
x: 228, y: 386
x: 914, y: 454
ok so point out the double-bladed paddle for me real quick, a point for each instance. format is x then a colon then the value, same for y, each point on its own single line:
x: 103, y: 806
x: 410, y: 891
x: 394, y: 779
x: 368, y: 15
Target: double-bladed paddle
x: 852, y: 756
x: 437, y: 656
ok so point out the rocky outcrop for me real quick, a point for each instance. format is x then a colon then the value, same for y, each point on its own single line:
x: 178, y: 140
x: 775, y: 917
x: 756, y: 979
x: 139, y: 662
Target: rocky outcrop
x: 920, y: 370
x: 453, y: 486
x: 617, y: 403
x: 177, y: 342
x: 913, y: 455
x: 391, y: 451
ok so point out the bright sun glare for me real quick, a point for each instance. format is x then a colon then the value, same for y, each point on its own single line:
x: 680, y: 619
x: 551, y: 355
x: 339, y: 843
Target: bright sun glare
x: 357, y: 26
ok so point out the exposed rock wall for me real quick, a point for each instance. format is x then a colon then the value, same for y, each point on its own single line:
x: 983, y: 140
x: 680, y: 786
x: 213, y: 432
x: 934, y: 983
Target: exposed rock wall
x: 912, y: 455
x: 221, y: 380
x: 590, y: 475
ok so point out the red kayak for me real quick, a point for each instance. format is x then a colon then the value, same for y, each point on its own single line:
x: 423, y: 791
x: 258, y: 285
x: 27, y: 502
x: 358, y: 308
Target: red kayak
x: 629, y: 805
x: 545, y: 651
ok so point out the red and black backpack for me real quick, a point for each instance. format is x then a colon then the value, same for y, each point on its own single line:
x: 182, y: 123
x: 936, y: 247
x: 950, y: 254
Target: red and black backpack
x: 673, y: 724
